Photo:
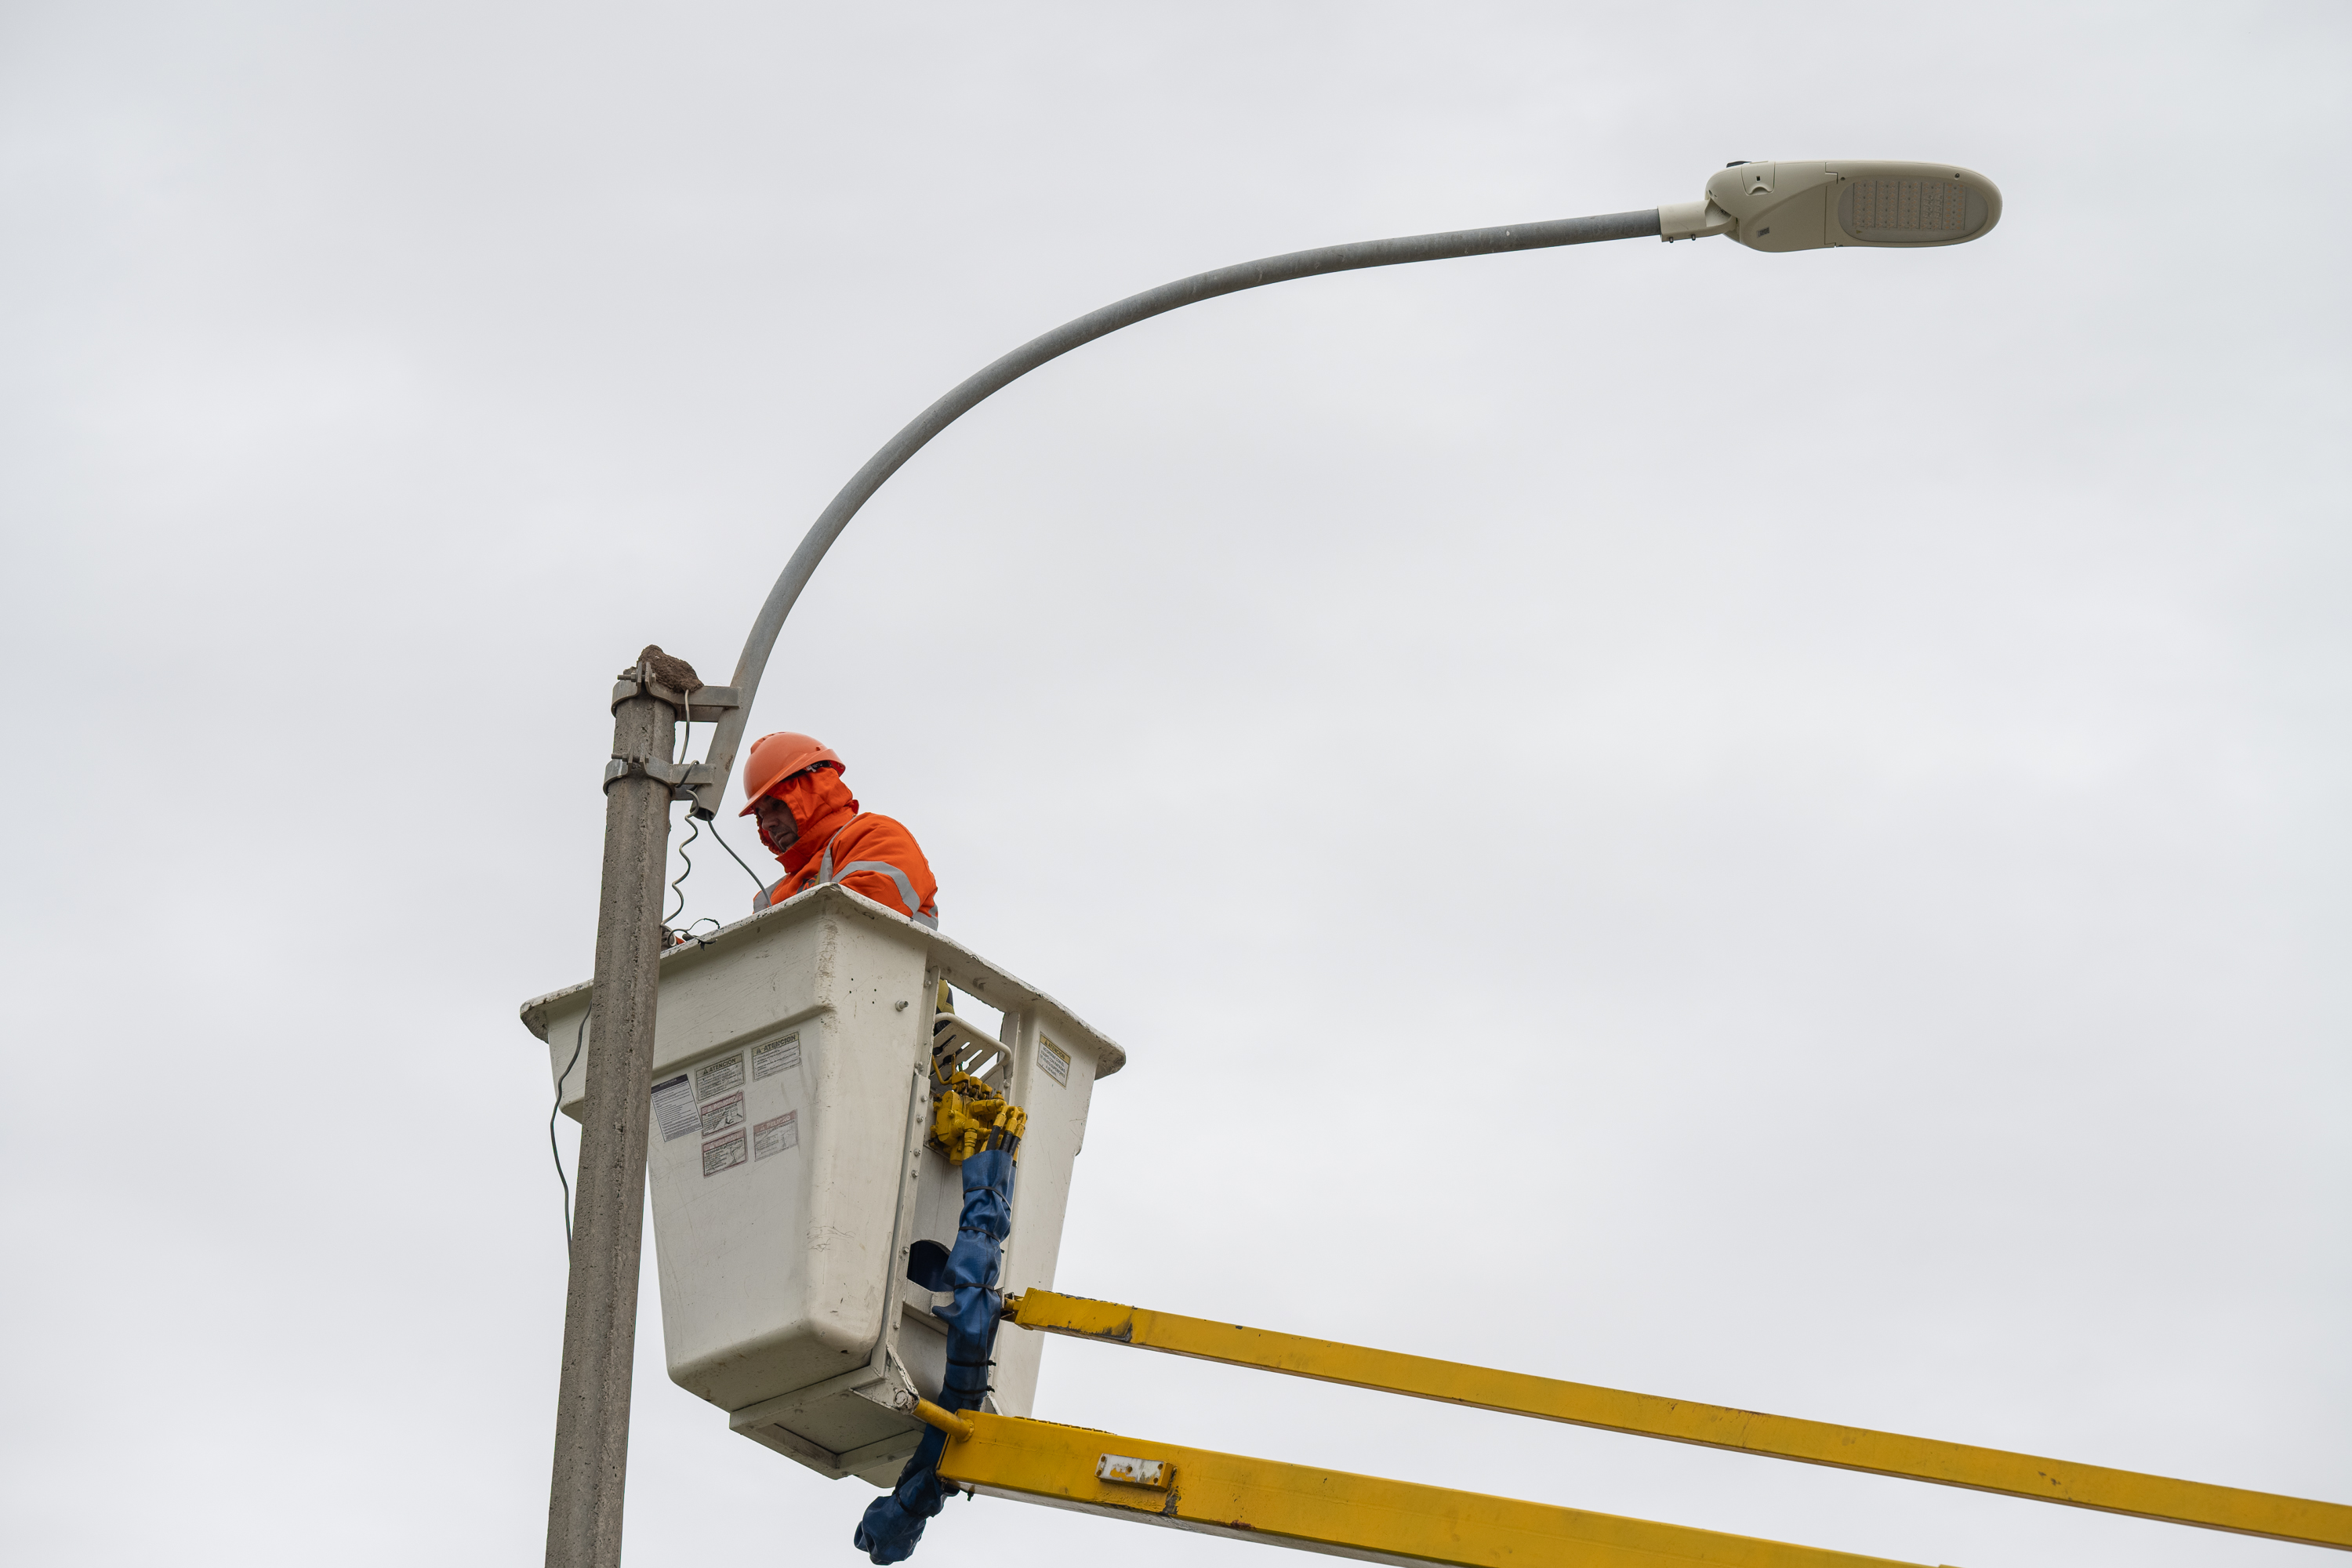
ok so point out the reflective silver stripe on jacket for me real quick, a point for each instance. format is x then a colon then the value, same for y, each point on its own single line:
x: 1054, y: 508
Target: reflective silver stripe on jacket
x: 825, y: 873
x: 766, y: 896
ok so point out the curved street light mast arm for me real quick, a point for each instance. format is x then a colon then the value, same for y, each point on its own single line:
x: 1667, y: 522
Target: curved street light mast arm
x: 728, y: 735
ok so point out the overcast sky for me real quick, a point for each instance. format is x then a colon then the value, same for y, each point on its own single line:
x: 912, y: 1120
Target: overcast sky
x: 1767, y: 829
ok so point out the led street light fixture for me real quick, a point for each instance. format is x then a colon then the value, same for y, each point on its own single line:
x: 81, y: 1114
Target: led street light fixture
x: 1809, y: 206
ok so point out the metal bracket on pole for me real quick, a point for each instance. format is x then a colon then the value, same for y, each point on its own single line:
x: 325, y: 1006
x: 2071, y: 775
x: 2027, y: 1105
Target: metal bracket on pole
x: 703, y: 705
x: 683, y: 778
x: 699, y: 783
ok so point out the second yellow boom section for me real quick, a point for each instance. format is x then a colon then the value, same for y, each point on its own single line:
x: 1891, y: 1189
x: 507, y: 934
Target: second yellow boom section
x: 1330, y: 1512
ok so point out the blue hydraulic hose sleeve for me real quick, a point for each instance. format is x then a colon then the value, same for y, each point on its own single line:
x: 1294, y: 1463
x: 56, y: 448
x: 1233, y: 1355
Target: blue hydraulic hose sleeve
x: 893, y: 1524
x: 972, y: 1266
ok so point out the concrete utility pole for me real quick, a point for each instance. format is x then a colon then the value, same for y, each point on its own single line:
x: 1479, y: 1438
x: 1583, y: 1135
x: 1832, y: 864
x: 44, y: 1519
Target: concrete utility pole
x: 600, y: 1308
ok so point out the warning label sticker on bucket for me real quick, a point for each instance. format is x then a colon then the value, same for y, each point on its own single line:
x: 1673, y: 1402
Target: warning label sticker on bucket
x: 775, y: 1137
x: 1054, y: 1060
x: 775, y: 1056
x: 720, y: 1114
x: 674, y: 1111
x: 722, y: 1154
x: 716, y: 1077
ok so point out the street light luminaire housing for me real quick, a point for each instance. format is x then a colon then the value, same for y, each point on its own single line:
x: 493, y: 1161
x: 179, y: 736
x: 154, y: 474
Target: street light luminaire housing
x: 1840, y: 202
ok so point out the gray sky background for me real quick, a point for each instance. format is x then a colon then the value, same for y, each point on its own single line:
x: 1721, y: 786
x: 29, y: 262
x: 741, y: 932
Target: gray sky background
x: 1769, y: 829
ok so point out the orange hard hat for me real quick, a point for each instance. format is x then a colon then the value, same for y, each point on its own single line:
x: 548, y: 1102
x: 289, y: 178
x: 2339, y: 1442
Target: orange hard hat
x: 777, y: 757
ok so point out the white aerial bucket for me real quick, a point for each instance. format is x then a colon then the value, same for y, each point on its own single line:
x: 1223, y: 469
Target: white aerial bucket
x: 790, y: 1104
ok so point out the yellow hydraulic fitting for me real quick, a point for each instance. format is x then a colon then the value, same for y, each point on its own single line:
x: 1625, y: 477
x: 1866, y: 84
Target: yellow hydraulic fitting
x: 946, y: 1420
x: 972, y: 1117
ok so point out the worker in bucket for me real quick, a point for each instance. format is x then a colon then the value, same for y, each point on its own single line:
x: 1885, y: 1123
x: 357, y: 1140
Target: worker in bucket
x: 809, y: 821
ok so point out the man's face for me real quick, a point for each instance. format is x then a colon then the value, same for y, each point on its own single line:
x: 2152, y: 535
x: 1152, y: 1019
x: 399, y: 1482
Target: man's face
x: 775, y: 820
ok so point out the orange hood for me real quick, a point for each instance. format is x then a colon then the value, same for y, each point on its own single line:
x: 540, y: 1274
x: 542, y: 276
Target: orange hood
x: 820, y: 802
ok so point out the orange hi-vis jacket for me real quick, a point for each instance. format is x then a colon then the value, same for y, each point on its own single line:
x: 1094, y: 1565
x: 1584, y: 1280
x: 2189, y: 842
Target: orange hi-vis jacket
x: 866, y: 853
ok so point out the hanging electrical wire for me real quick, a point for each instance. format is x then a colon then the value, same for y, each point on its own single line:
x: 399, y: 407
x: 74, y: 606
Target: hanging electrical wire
x: 736, y: 858
x: 693, y: 831
x: 686, y: 749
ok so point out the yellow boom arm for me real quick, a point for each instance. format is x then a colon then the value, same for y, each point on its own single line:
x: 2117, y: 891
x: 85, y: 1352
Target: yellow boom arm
x: 1328, y: 1512
x: 1711, y: 1426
